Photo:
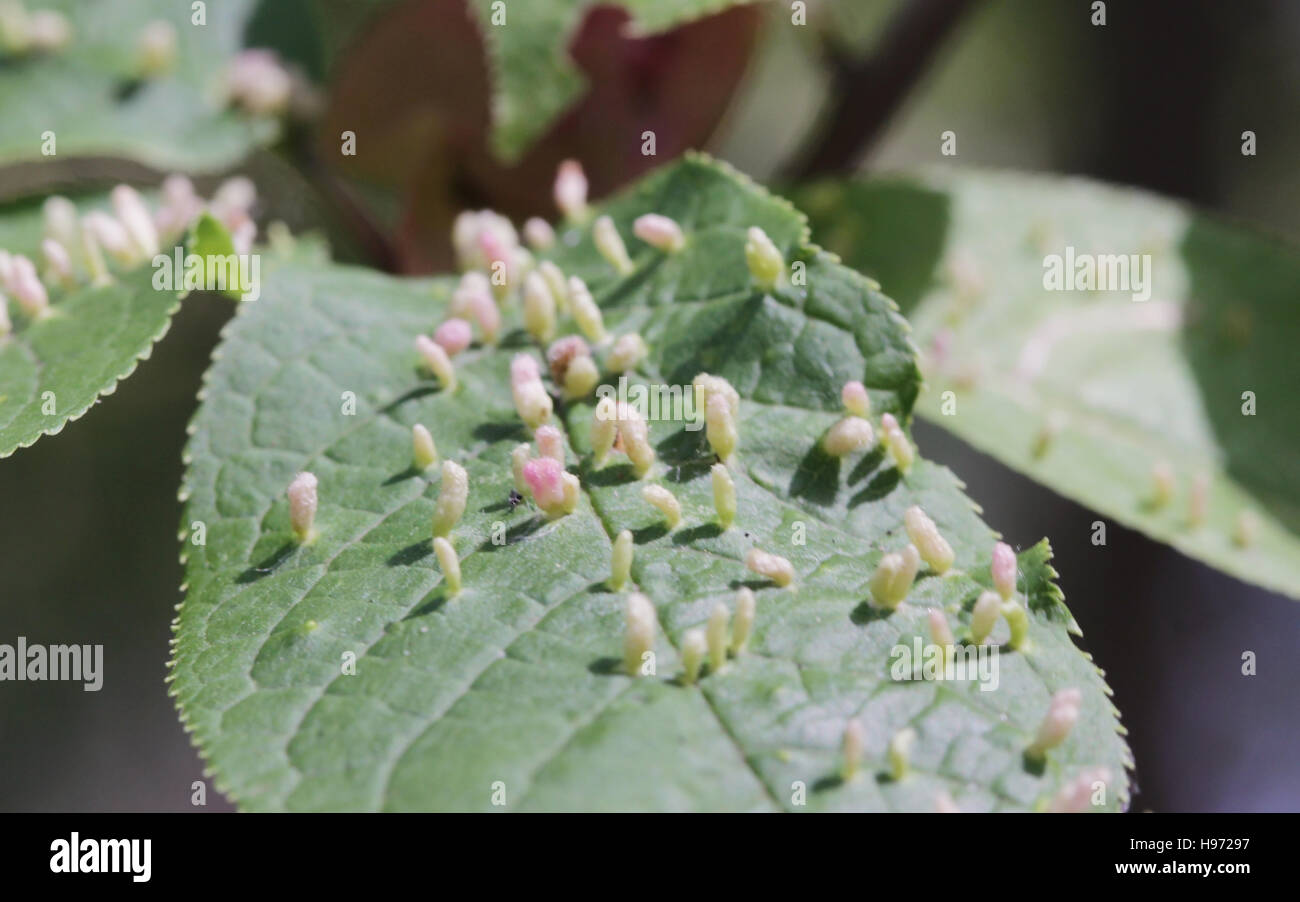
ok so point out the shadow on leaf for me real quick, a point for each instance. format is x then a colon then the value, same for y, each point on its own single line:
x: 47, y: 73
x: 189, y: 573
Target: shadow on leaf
x: 881, y: 485
x: 703, y: 531
x: 267, y: 566
x: 866, y: 613
x: 606, y: 667
x: 817, y: 477
x: 649, y: 533
x: 500, y: 432
x: 412, y: 553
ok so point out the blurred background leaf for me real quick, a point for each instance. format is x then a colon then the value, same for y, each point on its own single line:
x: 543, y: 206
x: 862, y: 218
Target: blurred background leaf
x: 534, y: 76
x: 92, y: 338
x: 422, y: 119
x: 1087, y: 390
x: 89, y: 96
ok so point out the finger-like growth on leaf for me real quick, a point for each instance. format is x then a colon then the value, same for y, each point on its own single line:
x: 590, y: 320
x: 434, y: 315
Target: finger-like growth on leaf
x: 1048, y: 434
x: 424, y: 453
x: 766, y: 264
x: 984, y: 616
x: 546, y: 480
x: 852, y: 746
x: 436, y: 359
x: 180, y: 206
x: 770, y: 566
x: 572, y: 492
x: 539, y: 234
x: 620, y: 568
x: 95, y: 265
x: 532, y: 401
x: 232, y: 203
x: 111, y: 236
x: 472, y: 284
x: 473, y: 298
x: 694, y: 647
x: 604, y: 429
x: 1003, y: 569
x: 550, y: 443
x: 706, y: 386
x: 934, y: 548
x: 449, y: 561
x: 659, y: 232
x: 665, y: 501
x: 720, y: 427
x: 555, y: 281
x: 48, y: 30
x: 454, y: 335
x: 571, y: 190
x: 523, y: 368
x: 1162, y: 484
x: 302, y: 507
x: 26, y: 287
x: 1245, y: 529
x: 724, y: 495
x: 562, y: 353
x: 482, y: 238
x: 634, y: 434
x: 719, y: 620
x: 900, y: 449
x: 585, y: 312
x: 743, y: 625
x: 940, y: 632
x: 1062, y: 715
x: 856, y: 400
x: 539, y: 307
x: 581, y: 377
x: 894, y: 577
x: 1018, y: 620
x: 639, y: 632
x: 155, y: 49
x: 1077, y: 796
x: 628, y: 351
x: 136, y: 220
x: 453, y: 494
x: 900, y: 753
x: 519, y: 456
x: 610, y: 244
x: 58, y: 263
x: 848, y: 436
x: 62, y: 223
x: 256, y: 81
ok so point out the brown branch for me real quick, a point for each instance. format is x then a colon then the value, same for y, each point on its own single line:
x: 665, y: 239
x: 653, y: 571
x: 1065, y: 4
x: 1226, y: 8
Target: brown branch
x: 342, y: 203
x: 865, y: 93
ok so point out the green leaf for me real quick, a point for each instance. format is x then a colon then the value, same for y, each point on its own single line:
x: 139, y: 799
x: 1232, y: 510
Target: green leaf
x: 54, y: 369
x: 87, y: 94
x: 517, y: 680
x: 534, y: 76
x: 211, y: 240
x: 1086, y: 391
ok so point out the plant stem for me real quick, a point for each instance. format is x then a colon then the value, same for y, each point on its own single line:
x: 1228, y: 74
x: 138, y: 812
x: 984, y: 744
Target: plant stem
x: 864, y: 93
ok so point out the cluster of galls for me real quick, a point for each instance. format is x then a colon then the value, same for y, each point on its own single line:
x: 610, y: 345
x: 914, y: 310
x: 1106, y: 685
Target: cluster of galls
x: 76, y: 249
x: 890, y: 585
x: 498, y: 269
